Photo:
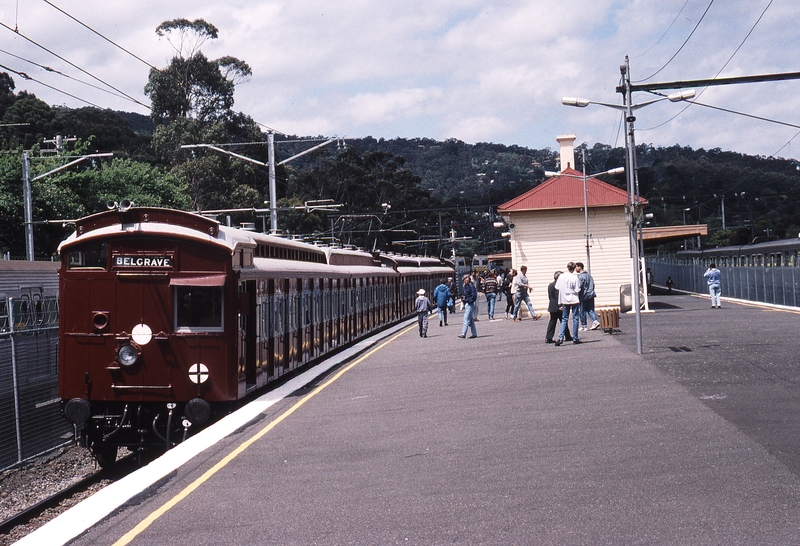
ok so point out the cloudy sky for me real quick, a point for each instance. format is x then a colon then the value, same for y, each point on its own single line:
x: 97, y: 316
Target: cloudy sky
x: 474, y: 70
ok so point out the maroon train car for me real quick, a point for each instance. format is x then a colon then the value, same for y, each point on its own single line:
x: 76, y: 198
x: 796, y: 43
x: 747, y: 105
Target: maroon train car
x: 167, y: 317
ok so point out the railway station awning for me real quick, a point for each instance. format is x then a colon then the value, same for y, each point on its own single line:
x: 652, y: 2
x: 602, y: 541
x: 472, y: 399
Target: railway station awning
x: 673, y: 233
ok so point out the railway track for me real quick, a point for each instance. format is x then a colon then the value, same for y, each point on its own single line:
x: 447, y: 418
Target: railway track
x: 13, y: 528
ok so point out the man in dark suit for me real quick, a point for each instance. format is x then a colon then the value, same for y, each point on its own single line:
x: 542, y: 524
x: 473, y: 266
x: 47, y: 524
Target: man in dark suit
x: 555, y: 312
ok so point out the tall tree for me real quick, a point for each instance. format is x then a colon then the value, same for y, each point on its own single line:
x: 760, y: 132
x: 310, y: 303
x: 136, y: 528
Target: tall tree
x: 193, y: 86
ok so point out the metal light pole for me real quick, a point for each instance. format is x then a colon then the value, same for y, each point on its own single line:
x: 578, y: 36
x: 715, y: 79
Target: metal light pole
x: 28, y: 194
x: 633, y: 216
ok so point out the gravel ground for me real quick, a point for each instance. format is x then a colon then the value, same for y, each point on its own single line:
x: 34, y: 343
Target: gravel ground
x: 34, y: 481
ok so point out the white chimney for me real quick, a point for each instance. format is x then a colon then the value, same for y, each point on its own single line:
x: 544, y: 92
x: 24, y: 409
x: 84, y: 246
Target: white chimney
x: 567, y: 151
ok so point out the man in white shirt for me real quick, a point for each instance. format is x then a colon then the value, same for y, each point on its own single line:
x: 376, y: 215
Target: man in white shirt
x: 569, y: 287
x: 521, y: 287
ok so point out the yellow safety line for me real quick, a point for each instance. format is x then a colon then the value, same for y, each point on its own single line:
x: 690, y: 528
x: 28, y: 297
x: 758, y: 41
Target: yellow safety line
x: 149, y: 520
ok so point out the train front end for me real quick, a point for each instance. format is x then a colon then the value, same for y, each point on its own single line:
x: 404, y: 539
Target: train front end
x: 147, y: 343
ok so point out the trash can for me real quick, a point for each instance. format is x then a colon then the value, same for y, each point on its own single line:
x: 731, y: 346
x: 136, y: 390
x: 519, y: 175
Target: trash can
x: 609, y: 319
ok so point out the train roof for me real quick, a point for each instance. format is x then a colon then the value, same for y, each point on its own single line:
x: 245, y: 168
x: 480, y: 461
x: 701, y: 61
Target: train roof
x: 752, y: 248
x: 181, y: 224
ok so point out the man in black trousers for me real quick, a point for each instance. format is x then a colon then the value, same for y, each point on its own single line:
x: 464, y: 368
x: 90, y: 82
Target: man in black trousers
x: 555, y: 312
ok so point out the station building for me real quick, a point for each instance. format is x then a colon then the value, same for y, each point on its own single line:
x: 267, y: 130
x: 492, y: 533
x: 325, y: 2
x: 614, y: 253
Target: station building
x: 547, y: 228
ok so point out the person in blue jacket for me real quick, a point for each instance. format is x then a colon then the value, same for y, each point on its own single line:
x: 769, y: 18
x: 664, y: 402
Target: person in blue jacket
x: 714, y: 278
x: 441, y: 295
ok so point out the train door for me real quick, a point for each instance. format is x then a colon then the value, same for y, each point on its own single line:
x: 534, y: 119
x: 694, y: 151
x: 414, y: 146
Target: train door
x: 280, y: 333
x: 326, y: 314
x: 247, y: 334
x: 268, y: 312
x: 316, y: 317
x: 306, y: 317
x: 292, y: 326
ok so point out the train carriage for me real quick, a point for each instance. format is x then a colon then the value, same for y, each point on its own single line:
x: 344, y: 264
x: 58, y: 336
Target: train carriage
x: 168, y: 317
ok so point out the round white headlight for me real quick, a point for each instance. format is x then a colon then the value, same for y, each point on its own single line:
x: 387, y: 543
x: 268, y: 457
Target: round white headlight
x: 127, y: 354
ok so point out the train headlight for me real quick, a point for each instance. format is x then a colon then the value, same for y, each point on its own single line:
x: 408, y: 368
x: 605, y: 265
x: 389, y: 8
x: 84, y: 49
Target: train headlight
x: 128, y: 354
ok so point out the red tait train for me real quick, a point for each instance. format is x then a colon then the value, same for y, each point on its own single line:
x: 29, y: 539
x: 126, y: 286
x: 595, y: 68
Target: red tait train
x: 167, y: 317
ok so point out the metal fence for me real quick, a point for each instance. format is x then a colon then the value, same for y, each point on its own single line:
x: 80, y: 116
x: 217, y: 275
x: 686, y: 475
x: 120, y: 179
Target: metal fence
x: 30, y: 418
x: 776, y: 285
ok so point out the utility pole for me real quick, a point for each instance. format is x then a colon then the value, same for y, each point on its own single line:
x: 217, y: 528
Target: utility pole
x: 28, y: 201
x: 28, y: 198
x: 273, y: 197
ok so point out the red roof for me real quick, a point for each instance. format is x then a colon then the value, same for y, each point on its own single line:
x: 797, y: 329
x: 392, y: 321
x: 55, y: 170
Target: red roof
x: 566, y: 192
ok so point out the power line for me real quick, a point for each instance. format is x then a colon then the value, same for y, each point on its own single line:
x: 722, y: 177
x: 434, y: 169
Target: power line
x: 682, y: 45
x: 54, y: 71
x: 24, y: 76
x: 103, y: 37
x: 752, y: 28
x: 73, y: 65
x: 666, y: 31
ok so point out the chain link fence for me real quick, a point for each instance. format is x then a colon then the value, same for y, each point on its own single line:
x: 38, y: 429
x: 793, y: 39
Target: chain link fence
x: 776, y: 285
x: 30, y: 416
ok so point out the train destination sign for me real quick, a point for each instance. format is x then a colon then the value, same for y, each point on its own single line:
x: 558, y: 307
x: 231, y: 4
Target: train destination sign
x: 142, y: 261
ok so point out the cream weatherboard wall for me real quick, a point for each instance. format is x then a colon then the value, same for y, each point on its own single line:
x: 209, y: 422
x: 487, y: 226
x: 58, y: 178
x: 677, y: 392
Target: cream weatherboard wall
x: 546, y: 240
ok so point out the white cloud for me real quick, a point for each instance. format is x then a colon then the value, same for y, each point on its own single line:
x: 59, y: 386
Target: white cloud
x: 468, y: 69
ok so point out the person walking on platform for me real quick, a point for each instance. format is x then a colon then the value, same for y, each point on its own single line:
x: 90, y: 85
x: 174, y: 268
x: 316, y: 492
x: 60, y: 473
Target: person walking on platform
x: 453, y: 287
x: 469, y: 295
x: 568, y: 287
x: 441, y: 295
x: 522, y: 289
x: 490, y: 289
x: 422, y: 306
x: 506, y: 287
x: 714, y: 278
x: 586, y: 295
x: 555, y: 312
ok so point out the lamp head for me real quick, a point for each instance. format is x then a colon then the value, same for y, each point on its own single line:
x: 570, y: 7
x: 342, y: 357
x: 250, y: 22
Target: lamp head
x: 575, y: 101
x: 681, y: 95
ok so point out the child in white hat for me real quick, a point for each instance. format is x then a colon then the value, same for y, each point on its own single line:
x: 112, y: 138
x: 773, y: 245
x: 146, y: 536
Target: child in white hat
x: 423, y: 307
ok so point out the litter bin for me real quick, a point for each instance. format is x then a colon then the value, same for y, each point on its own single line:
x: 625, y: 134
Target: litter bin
x: 609, y: 319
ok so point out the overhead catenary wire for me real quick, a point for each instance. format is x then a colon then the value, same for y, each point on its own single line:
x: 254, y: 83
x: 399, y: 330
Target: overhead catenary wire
x: 24, y: 76
x: 54, y: 71
x: 99, y: 34
x: 73, y: 65
x: 752, y: 28
x: 686, y: 41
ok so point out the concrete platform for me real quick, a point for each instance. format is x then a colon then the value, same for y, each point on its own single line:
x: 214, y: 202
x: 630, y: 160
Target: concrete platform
x: 504, y: 439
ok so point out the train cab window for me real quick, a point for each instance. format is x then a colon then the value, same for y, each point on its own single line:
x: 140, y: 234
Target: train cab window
x: 89, y: 257
x: 198, y: 308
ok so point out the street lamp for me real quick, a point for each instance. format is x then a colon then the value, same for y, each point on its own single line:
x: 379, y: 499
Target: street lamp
x: 633, y: 187
x: 551, y: 174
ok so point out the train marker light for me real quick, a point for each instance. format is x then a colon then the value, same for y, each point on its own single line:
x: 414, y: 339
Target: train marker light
x: 128, y: 354
x: 198, y: 373
x: 142, y: 334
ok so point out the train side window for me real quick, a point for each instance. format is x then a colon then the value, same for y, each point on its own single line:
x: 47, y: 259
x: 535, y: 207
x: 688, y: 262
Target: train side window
x: 198, y: 308
x: 90, y: 257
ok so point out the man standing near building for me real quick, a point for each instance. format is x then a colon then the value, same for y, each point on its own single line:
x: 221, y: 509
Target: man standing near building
x: 555, y: 310
x: 469, y: 295
x: 586, y: 296
x: 714, y: 278
x: 568, y: 286
x: 490, y: 288
x: 521, y: 287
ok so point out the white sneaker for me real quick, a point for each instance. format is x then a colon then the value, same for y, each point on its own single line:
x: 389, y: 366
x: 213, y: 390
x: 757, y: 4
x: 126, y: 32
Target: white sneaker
x: 582, y: 329
x: 595, y: 325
